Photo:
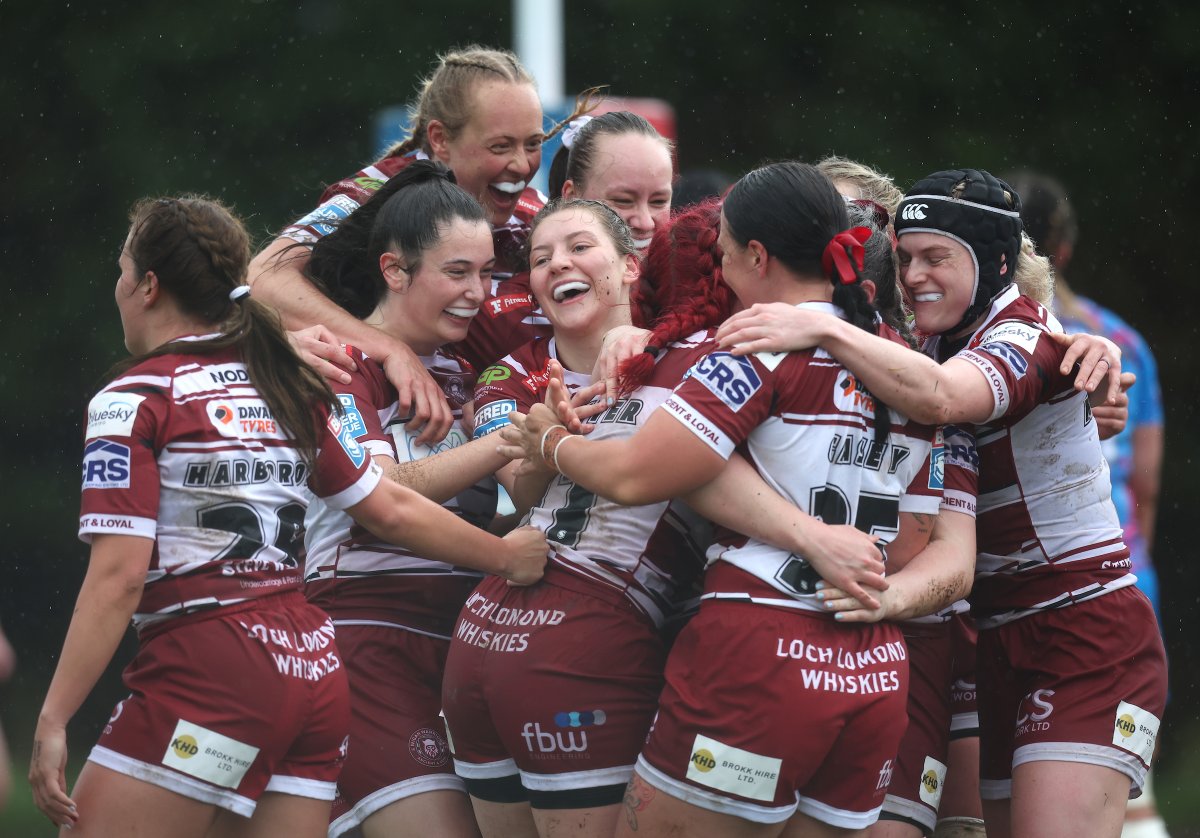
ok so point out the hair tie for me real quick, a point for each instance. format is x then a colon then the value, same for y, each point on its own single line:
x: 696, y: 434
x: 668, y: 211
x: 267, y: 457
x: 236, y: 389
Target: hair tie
x: 573, y: 129
x: 239, y: 292
x: 843, y: 246
x: 652, y: 351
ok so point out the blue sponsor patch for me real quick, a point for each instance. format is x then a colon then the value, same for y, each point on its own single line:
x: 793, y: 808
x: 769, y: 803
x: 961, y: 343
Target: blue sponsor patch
x: 325, y: 218
x: 1011, y: 356
x: 351, y: 417
x: 492, y: 417
x: 341, y: 430
x: 105, y: 465
x: 937, y: 463
x: 731, y: 378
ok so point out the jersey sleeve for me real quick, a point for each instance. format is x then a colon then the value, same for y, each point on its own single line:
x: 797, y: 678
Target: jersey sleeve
x: 1020, y: 363
x: 361, y: 400
x: 344, y: 473
x: 501, y: 389
x: 120, y: 492
x: 338, y: 201
x: 961, y: 470
x: 722, y: 398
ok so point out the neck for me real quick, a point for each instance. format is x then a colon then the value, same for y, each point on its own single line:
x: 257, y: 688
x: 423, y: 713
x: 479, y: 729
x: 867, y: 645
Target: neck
x: 172, y: 326
x: 793, y: 289
x: 578, y: 350
x: 390, y: 318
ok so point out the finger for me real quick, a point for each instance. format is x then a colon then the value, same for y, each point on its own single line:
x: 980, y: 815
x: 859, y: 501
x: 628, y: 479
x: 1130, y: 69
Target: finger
x: 335, y: 353
x: 857, y: 592
x: 329, y: 371
x: 513, y: 452
x: 422, y: 412
x: 1113, y: 376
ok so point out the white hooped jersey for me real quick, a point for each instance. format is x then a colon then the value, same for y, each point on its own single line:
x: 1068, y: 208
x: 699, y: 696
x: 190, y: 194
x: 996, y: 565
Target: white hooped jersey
x: 1048, y: 533
x: 351, y: 574
x: 809, y: 428
x: 648, y: 553
x: 183, y: 450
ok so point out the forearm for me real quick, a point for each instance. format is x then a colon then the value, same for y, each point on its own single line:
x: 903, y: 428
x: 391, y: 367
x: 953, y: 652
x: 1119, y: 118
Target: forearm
x: 444, y: 475
x: 911, y: 382
x: 739, y: 499
x: 938, y: 575
x: 106, y: 603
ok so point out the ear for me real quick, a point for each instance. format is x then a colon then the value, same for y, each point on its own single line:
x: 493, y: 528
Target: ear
x: 390, y: 268
x: 633, y: 269
x: 758, y: 257
x: 150, y: 288
x: 868, y: 287
x: 568, y: 191
x: 439, y: 140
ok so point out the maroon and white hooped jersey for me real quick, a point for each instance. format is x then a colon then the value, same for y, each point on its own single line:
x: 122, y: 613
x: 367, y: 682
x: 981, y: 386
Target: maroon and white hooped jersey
x: 809, y: 428
x: 650, y: 553
x: 1048, y: 534
x: 509, y: 317
x: 350, y: 573
x: 183, y: 450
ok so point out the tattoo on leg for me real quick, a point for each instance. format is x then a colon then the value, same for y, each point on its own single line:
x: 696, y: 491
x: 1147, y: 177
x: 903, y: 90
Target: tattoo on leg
x: 638, y: 795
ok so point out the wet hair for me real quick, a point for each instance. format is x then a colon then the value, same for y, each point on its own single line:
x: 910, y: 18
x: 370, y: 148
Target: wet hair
x: 879, y: 266
x: 409, y: 213
x: 199, y: 252
x: 445, y: 95
x: 614, y: 227
x: 578, y: 162
x: 1034, y: 275
x: 682, y: 290
x: 872, y: 184
x: 795, y: 212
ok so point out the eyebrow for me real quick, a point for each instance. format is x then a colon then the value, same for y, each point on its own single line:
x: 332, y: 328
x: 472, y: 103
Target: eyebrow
x: 571, y: 237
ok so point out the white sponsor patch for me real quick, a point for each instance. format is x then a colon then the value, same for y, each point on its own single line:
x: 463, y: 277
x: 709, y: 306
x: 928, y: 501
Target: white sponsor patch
x: 243, y: 419
x: 325, y: 218
x: 937, y: 462
x: 209, y: 756
x: 729, y: 769
x: 1135, y: 730
x: 493, y: 416
x: 933, y: 778
x: 112, y: 414
x: 1018, y: 334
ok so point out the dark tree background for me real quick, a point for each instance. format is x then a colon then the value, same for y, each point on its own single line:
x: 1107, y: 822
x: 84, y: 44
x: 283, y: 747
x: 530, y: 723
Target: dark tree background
x: 261, y: 102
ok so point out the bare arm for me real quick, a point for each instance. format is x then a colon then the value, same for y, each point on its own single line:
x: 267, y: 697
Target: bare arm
x: 741, y: 500
x: 935, y: 577
x: 447, y: 473
x: 277, y: 277
x: 399, y: 515
x: 107, y: 599
x: 662, y: 460
x: 1145, y: 477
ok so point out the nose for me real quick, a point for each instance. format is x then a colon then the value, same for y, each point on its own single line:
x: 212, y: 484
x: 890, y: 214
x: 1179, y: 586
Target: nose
x: 524, y: 163
x: 641, y: 220
x: 477, y: 291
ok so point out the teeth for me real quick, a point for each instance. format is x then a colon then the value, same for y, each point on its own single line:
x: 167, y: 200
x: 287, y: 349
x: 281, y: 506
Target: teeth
x: 561, y: 291
x: 641, y: 244
x: 463, y: 312
x: 510, y: 188
x: 927, y: 298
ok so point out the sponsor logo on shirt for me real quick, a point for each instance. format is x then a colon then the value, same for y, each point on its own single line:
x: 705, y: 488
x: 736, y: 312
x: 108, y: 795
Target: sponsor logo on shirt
x: 1021, y: 335
x: 731, y: 379
x: 112, y: 414
x: 493, y: 416
x: 242, y: 418
x: 208, y: 755
x: 351, y: 416
x: 733, y: 770
x: 325, y: 218
x: 1009, y: 354
x: 244, y: 472
x: 496, y: 372
x: 340, y: 430
x: 508, y: 302
x: 105, y: 465
x: 937, y: 462
x: 851, y: 396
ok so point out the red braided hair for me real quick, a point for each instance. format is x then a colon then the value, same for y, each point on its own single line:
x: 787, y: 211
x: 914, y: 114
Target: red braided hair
x: 681, y: 280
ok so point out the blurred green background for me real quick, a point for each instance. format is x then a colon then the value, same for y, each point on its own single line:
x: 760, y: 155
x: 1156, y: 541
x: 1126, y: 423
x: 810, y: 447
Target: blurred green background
x: 261, y: 103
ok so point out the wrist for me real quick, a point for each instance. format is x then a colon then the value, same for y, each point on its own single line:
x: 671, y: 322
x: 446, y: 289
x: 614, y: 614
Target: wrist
x: 552, y: 437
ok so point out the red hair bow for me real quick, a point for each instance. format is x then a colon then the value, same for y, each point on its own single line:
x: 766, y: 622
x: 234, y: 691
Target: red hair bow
x: 843, y: 246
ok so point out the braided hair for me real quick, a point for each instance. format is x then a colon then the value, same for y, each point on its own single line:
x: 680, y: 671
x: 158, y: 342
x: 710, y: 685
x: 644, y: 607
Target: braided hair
x: 199, y: 252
